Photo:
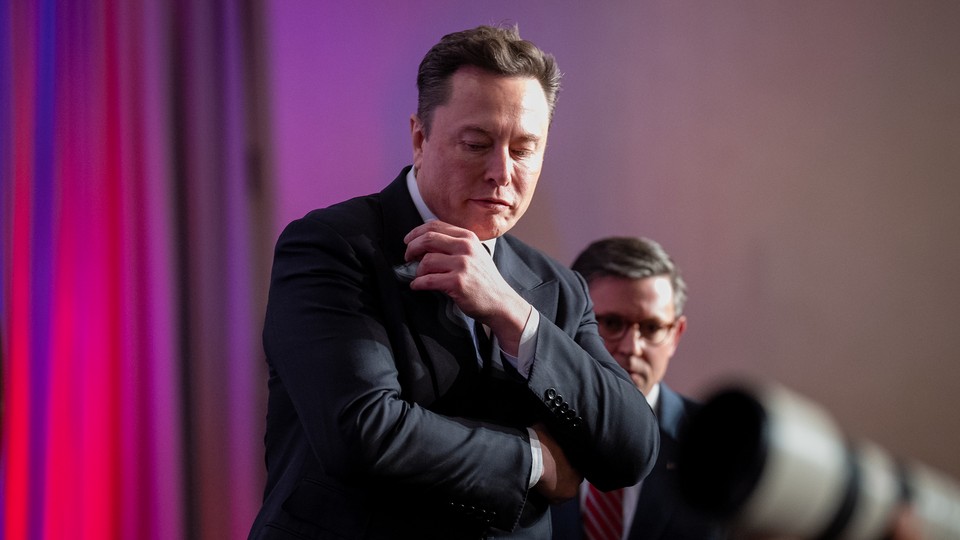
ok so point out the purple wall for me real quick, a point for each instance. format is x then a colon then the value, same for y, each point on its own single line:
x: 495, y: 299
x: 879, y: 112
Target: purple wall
x: 799, y: 160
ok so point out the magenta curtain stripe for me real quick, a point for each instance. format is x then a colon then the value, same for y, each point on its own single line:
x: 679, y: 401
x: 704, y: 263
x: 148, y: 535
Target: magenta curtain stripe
x: 140, y: 516
x: 42, y: 262
x: 162, y: 333
x: 61, y: 469
x: 243, y: 400
x: 132, y: 371
x: 6, y: 239
x: 18, y: 418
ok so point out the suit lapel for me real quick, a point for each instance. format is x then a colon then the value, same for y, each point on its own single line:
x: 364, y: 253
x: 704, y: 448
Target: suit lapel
x: 542, y: 295
x: 671, y: 411
x: 442, y: 341
x: 659, y: 508
x: 399, y: 216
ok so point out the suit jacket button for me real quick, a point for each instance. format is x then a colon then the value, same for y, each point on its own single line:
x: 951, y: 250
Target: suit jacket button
x: 550, y: 394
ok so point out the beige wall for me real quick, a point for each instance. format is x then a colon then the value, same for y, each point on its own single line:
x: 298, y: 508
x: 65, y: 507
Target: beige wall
x: 801, y: 161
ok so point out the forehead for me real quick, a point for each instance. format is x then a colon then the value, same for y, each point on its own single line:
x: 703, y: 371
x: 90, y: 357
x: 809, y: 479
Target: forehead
x: 633, y: 298
x: 480, y: 97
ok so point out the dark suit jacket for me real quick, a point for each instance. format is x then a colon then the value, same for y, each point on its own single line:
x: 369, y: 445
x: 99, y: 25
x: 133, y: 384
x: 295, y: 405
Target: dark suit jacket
x: 380, y: 423
x: 661, y: 512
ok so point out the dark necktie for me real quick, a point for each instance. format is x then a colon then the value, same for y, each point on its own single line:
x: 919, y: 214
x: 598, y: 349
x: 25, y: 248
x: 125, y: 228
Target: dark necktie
x: 484, y: 341
x: 603, y: 514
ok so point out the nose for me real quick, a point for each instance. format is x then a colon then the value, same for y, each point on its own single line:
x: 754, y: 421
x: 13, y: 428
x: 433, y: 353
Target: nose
x: 630, y: 342
x: 498, y: 166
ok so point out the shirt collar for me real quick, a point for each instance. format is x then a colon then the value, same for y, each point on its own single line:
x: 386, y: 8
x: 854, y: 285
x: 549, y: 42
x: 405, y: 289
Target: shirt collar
x: 653, y: 398
x: 425, y: 212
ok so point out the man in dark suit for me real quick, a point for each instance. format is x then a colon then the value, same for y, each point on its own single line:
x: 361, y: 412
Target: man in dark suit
x: 420, y: 387
x: 638, y: 297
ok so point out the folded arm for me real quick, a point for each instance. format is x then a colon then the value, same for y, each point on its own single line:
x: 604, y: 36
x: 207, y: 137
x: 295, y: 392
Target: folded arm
x: 325, y: 337
x: 603, y: 423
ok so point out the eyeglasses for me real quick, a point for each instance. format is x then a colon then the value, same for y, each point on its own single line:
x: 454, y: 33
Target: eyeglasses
x: 614, y: 327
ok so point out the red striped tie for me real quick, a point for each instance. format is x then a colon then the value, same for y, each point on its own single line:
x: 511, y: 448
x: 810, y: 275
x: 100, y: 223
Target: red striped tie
x: 603, y: 514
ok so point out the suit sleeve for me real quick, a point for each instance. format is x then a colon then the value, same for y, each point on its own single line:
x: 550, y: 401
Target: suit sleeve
x: 325, y: 337
x: 598, y: 416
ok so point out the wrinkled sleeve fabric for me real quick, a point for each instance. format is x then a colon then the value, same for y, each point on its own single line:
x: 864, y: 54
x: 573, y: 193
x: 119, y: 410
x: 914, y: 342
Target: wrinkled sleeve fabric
x: 595, y: 412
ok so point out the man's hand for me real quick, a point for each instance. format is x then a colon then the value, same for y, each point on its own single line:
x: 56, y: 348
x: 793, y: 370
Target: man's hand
x: 454, y: 262
x: 560, y: 481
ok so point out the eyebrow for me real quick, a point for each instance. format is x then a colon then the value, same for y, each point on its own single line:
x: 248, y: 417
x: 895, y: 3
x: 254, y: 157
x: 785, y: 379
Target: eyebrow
x: 526, y: 137
x: 626, y: 318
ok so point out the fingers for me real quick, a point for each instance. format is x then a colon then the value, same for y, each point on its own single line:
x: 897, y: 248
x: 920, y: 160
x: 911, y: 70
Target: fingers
x: 448, y: 260
x: 439, y: 272
x: 438, y: 226
x: 440, y: 237
x: 454, y: 262
x: 437, y: 237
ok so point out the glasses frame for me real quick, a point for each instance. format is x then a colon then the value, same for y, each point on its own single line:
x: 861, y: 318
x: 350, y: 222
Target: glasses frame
x: 634, y: 327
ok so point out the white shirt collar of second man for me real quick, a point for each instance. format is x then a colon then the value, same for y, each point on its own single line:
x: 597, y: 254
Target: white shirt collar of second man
x: 653, y: 398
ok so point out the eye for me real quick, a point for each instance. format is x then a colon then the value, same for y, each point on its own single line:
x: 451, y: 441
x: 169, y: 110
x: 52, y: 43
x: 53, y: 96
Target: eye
x: 649, y: 328
x: 522, y: 153
x: 611, y: 323
x: 475, y: 146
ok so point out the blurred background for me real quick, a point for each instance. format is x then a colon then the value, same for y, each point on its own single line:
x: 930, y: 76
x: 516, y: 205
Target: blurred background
x: 800, y: 161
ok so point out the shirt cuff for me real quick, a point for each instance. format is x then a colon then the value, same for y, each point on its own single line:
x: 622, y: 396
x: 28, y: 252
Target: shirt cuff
x: 528, y: 345
x: 536, y: 469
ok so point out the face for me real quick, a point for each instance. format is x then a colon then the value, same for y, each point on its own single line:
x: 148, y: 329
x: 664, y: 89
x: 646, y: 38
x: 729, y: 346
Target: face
x: 479, y: 166
x: 635, y: 300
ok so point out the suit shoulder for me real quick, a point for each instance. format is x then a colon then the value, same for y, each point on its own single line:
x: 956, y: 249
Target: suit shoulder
x: 540, y: 261
x: 359, y: 215
x: 349, y: 214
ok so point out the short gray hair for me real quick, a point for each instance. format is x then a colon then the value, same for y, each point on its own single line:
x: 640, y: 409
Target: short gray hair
x: 632, y: 258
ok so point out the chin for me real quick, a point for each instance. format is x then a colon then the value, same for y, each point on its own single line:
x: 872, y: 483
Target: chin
x: 487, y: 231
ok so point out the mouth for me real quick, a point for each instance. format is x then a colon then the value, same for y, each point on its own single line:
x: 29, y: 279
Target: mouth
x: 635, y: 367
x: 491, y: 202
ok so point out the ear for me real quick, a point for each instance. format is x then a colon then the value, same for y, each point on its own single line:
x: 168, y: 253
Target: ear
x: 417, y: 136
x: 680, y: 329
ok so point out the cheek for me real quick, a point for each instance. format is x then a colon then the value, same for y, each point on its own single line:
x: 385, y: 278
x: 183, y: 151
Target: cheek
x: 525, y: 188
x: 659, y: 361
x: 532, y: 171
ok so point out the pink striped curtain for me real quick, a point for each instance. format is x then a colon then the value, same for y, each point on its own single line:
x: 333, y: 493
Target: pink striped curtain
x: 132, y: 206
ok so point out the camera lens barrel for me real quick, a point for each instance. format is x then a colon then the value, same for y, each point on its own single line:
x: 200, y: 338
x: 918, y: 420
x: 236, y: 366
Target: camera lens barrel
x: 769, y: 461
